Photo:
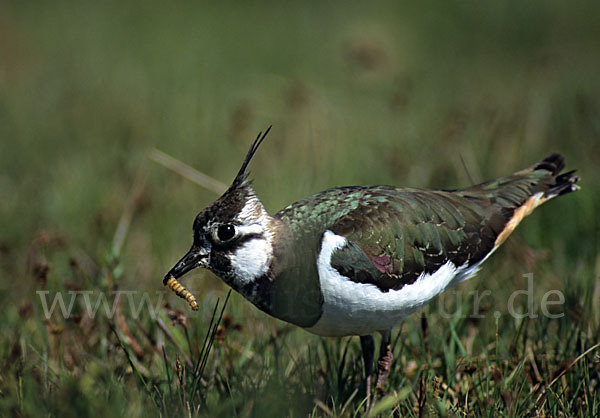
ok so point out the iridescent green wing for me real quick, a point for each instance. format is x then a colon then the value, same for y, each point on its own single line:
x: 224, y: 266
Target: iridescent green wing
x: 395, y: 235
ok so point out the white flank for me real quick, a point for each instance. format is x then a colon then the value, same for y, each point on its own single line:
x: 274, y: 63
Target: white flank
x: 251, y: 260
x: 351, y: 308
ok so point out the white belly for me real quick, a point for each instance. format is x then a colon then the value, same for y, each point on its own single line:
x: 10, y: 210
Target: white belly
x: 351, y: 308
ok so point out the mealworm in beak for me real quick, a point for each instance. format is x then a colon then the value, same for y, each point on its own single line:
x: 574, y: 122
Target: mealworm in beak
x: 182, y: 292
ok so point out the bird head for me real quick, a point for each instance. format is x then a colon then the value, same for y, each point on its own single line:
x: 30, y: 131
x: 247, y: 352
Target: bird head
x: 233, y: 236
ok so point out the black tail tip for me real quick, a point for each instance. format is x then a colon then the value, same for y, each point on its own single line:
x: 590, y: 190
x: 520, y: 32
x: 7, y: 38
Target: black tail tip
x: 553, y: 163
x: 564, y: 183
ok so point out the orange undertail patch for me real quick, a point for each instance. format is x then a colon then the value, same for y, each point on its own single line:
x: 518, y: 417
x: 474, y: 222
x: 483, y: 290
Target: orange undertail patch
x: 521, y: 212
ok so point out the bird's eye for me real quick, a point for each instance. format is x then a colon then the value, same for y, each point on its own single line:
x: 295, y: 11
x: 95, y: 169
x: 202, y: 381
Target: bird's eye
x: 225, y: 232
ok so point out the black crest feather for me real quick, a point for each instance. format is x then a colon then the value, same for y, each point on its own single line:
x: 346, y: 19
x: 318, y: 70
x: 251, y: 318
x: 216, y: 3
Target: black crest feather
x: 242, y: 175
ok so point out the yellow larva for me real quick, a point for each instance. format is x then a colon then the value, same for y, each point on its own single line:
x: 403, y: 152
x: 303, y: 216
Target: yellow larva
x: 182, y: 292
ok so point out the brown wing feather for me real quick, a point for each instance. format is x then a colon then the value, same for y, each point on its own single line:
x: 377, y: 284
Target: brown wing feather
x: 395, y: 235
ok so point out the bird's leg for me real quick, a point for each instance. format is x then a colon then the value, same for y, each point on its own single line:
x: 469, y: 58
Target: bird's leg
x: 385, y: 361
x: 368, y: 349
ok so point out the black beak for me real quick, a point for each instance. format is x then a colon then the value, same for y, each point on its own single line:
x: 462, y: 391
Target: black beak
x: 195, y: 257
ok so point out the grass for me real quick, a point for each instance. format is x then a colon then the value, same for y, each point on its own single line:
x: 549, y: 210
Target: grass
x: 409, y: 93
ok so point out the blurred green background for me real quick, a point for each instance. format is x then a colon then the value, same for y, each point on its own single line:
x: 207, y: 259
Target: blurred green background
x: 421, y: 94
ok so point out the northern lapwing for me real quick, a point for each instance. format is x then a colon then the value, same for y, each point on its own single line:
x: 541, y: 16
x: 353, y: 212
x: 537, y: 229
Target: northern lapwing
x: 358, y: 260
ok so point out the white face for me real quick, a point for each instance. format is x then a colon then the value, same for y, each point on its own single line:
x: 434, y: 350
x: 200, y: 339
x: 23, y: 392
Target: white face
x: 252, y: 259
